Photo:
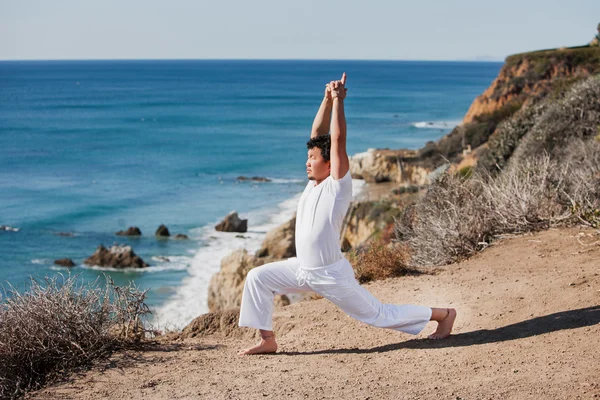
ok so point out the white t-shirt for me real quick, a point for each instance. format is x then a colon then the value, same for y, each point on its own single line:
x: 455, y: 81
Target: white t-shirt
x: 319, y: 219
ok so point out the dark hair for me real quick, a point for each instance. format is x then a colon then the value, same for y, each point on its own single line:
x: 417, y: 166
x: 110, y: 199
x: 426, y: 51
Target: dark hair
x: 323, y: 142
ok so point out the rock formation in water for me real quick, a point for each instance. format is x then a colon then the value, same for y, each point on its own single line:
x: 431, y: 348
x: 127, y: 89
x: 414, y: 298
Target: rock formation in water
x: 232, y: 223
x: 115, y: 257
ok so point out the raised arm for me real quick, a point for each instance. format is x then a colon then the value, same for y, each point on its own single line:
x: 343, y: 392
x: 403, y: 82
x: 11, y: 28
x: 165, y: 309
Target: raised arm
x: 339, y: 158
x: 321, y: 123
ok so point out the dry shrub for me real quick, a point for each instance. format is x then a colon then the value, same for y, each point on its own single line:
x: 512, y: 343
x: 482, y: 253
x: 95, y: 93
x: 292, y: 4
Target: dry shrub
x: 59, y: 324
x: 523, y: 198
x: 445, y: 224
x: 459, y: 216
x: 581, y: 181
x: 380, y: 261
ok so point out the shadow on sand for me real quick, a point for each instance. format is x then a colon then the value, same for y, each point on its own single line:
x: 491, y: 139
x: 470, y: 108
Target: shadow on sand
x: 548, y: 323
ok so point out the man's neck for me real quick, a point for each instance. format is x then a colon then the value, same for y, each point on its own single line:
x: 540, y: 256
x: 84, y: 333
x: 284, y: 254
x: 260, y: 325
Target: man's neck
x: 317, y: 183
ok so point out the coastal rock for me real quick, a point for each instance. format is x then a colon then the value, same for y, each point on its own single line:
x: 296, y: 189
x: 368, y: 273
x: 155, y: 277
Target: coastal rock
x: 232, y: 223
x: 385, y: 165
x: 254, y: 178
x: 280, y: 242
x: 366, y: 220
x: 131, y: 231
x: 181, y: 236
x: 224, y: 322
x: 226, y: 286
x: 116, y: 257
x: 64, y: 262
x: 162, y: 231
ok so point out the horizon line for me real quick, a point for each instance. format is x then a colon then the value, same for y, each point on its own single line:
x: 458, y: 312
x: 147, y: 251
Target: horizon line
x: 490, y: 60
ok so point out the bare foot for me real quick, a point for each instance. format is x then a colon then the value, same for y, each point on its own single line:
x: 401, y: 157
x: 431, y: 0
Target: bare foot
x: 264, y: 347
x: 444, y: 326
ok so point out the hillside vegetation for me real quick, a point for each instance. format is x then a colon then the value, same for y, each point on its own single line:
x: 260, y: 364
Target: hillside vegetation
x: 525, y: 81
x: 550, y: 176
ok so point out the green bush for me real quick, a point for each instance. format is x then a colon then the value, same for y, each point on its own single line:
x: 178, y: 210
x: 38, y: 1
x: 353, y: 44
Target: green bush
x: 465, y: 172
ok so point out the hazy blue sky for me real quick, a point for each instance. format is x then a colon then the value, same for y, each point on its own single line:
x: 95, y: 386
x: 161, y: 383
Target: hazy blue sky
x: 309, y: 29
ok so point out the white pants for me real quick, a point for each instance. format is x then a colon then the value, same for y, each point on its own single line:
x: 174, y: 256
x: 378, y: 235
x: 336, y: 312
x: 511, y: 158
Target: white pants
x: 336, y: 283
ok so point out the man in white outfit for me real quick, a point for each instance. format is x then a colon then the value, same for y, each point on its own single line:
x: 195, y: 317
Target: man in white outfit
x: 320, y: 266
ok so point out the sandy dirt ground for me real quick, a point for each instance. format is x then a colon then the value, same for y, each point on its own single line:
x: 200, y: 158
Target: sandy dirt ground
x: 528, y: 327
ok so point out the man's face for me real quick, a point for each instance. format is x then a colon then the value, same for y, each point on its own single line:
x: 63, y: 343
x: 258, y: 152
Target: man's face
x: 317, y: 168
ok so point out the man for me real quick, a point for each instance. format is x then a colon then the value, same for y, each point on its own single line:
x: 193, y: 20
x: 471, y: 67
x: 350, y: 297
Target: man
x: 320, y: 265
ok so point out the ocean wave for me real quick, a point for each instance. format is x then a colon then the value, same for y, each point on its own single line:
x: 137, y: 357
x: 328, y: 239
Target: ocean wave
x: 191, y: 298
x: 270, y: 180
x: 362, y: 155
x: 41, y: 261
x: 282, y: 180
x: 436, y: 124
x: 171, y: 265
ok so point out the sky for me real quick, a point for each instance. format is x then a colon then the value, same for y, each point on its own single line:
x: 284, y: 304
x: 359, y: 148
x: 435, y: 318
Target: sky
x: 282, y: 29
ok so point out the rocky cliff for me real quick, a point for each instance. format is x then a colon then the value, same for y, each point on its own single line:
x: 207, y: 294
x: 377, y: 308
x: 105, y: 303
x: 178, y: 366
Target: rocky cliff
x: 385, y: 165
x: 368, y: 220
x: 524, y: 81
x: 530, y: 76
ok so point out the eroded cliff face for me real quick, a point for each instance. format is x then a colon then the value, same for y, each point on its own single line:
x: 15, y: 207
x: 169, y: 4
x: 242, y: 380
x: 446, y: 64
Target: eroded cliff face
x: 529, y: 76
x: 384, y: 165
x: 367, y: 220
x: 226, y: 286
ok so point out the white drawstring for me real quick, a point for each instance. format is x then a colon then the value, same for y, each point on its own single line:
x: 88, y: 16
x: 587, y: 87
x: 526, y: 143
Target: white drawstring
x: 301, y: 276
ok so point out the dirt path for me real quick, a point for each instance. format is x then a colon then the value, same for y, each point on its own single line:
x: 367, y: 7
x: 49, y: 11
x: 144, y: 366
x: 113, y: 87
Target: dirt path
x: 528, y: 328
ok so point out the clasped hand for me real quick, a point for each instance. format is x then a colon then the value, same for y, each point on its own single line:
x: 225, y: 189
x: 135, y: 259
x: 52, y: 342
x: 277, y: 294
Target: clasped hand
x: 336, y: 89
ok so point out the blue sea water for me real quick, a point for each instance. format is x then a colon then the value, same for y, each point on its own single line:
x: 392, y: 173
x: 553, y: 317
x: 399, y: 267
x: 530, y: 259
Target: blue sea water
x: 92, y: 147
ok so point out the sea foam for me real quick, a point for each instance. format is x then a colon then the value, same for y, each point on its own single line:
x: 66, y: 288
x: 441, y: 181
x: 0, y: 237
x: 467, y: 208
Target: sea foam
x: 436, y: 124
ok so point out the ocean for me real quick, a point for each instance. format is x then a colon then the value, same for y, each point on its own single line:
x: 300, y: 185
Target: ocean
x: 88, y: 148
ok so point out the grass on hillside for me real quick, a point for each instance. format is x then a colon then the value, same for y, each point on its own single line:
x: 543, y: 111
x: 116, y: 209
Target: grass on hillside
x: 585, y: 56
